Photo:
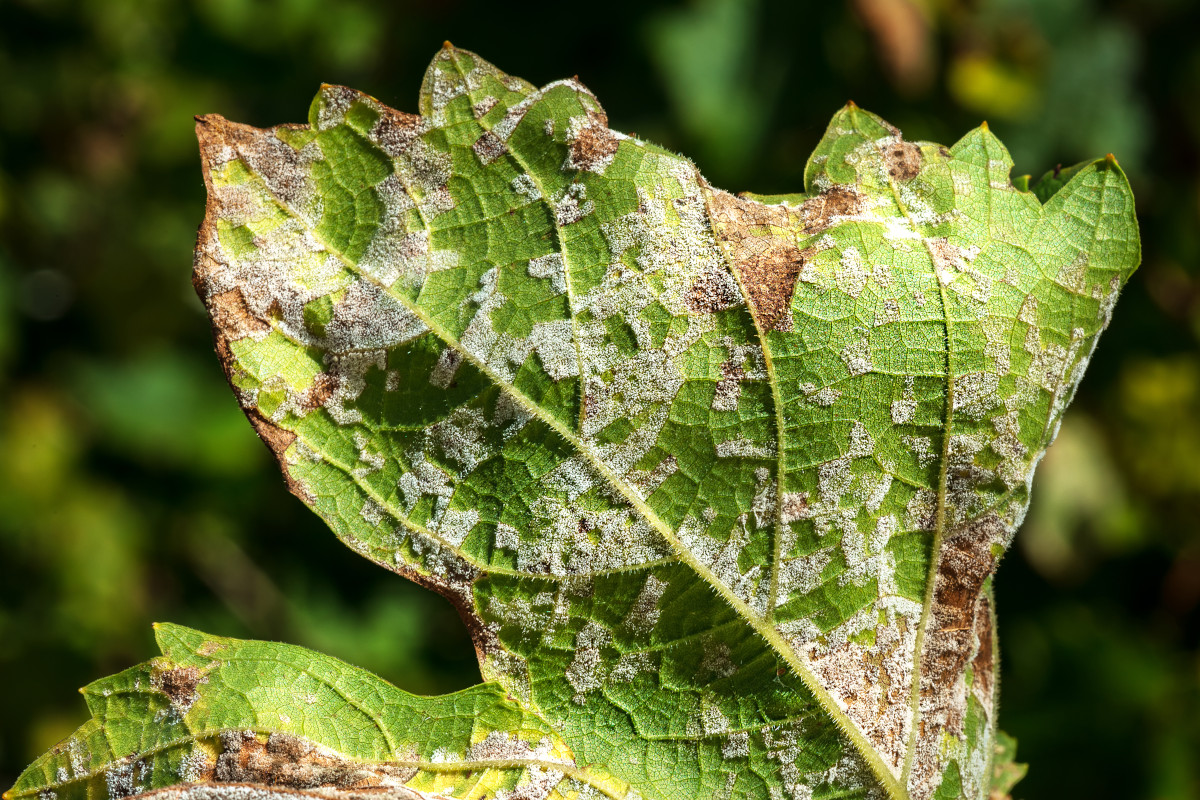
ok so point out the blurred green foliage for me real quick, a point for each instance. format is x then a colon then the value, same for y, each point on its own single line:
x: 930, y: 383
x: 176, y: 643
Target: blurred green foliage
x: 132, y: 490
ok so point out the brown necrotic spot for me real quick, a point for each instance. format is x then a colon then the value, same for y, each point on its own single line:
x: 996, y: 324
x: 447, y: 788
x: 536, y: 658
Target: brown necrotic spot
x: 180, y: 684
x: 488, y: 147
x: 824, y: 210
x: 252, y: 791
x: 902, y: 160
x: 759, y: 244
x: 233, y: 317
x: 958, y: 633
x: 317, y: 395
x: 983, y: 665
x: 591, y: 145
x: 289, y: 761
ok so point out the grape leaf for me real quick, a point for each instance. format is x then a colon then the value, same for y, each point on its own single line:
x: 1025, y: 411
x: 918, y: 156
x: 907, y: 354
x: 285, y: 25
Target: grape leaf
x: 717, y: 482
x: 195, y: 715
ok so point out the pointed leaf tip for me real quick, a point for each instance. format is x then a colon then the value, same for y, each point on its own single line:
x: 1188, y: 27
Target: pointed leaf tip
x: 851, y: 104
x: 983, y: 126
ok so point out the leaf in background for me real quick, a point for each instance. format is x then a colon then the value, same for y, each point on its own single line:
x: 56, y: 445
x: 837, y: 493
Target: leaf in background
x: 718, y: 483
x: 196, y: 714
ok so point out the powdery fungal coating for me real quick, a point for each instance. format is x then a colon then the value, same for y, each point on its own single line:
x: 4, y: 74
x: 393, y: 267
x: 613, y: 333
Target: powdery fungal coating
x: 498, y: 345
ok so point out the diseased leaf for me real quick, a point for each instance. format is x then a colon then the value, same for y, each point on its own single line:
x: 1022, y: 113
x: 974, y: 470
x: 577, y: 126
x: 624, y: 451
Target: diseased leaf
x: 718, y: 482
x: 223, y: 711
x: 1006, y: 770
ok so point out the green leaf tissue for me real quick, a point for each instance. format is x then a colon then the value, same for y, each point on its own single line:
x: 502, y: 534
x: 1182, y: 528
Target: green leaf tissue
x: 717, y: 482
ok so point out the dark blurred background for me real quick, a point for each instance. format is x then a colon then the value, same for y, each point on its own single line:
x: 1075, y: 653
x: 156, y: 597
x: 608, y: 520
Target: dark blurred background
x: 133, y: 490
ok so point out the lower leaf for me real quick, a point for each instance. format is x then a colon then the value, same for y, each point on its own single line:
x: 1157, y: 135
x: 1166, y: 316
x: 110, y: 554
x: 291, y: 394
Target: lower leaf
x: 215, y: 716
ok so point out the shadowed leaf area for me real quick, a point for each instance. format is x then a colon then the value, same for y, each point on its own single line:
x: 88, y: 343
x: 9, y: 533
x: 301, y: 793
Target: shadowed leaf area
x: 717, y: 482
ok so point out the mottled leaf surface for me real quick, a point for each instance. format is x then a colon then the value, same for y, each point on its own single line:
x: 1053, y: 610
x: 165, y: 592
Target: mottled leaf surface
x: 219, y: 711
x: 718, y: 482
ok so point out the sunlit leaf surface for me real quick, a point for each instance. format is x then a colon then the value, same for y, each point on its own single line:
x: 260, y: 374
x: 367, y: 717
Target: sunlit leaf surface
x: 718, y: 482
x: 229, y: 711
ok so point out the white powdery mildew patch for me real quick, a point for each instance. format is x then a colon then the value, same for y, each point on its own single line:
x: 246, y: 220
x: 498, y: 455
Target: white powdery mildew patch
x: 1014, y: 468
x: 587, y: 670
x: 862, y: 443
x: 888, y: 312
x: 630, y: 665
x: 507, y: 537
x: 721, y: 558
x: 857, y: 354
x: 960, y: 456
x: 508, y: 668
x: 871, y: 681
x: 852, y: 273
x: 502, y: 354
x: 824, y: 396
x: 455, y: 525
x: 571, y: 204
x: 872, y: 684
x: 538, y: 781
x: 801, y: 575
x: 374, y: 461
x: 371, y: 512
x: 488, y: 148
x: 921, y: 447
x: 553, y: 343
x: 885, y: 527
x: 572, y: 539
x: 195, y: 766
x: 949, y: 260
x: 482, y: 106
x: 745, y: 363
x: 500, y: 746
x: 675, y: 246
x: 589, y: 126
x: 646, y: 482
x: 920, y: 514
x: 269, y: 291
x: 425, y: 479
x: 643, y: 614
x: 388, y: 253
x: 369, y: 319
x: 552, y: 268
x: 350, y: 370
x: 708, y: 721
x: 785, y: 746
x: 510, y: 415
x: 516, y: 114
x: 77, y: 756
x: 716, y: 661
x: 744, y: 448
x: 426, y: 171
x: 974, y: 394
x: 461, y: 438
x: 445, y: 368
x: 737, y: 745
x: 904, y: 408
x: 126, y: 777
x: 446, y: 85
x: 413, y: 261
x: 525, y: 186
